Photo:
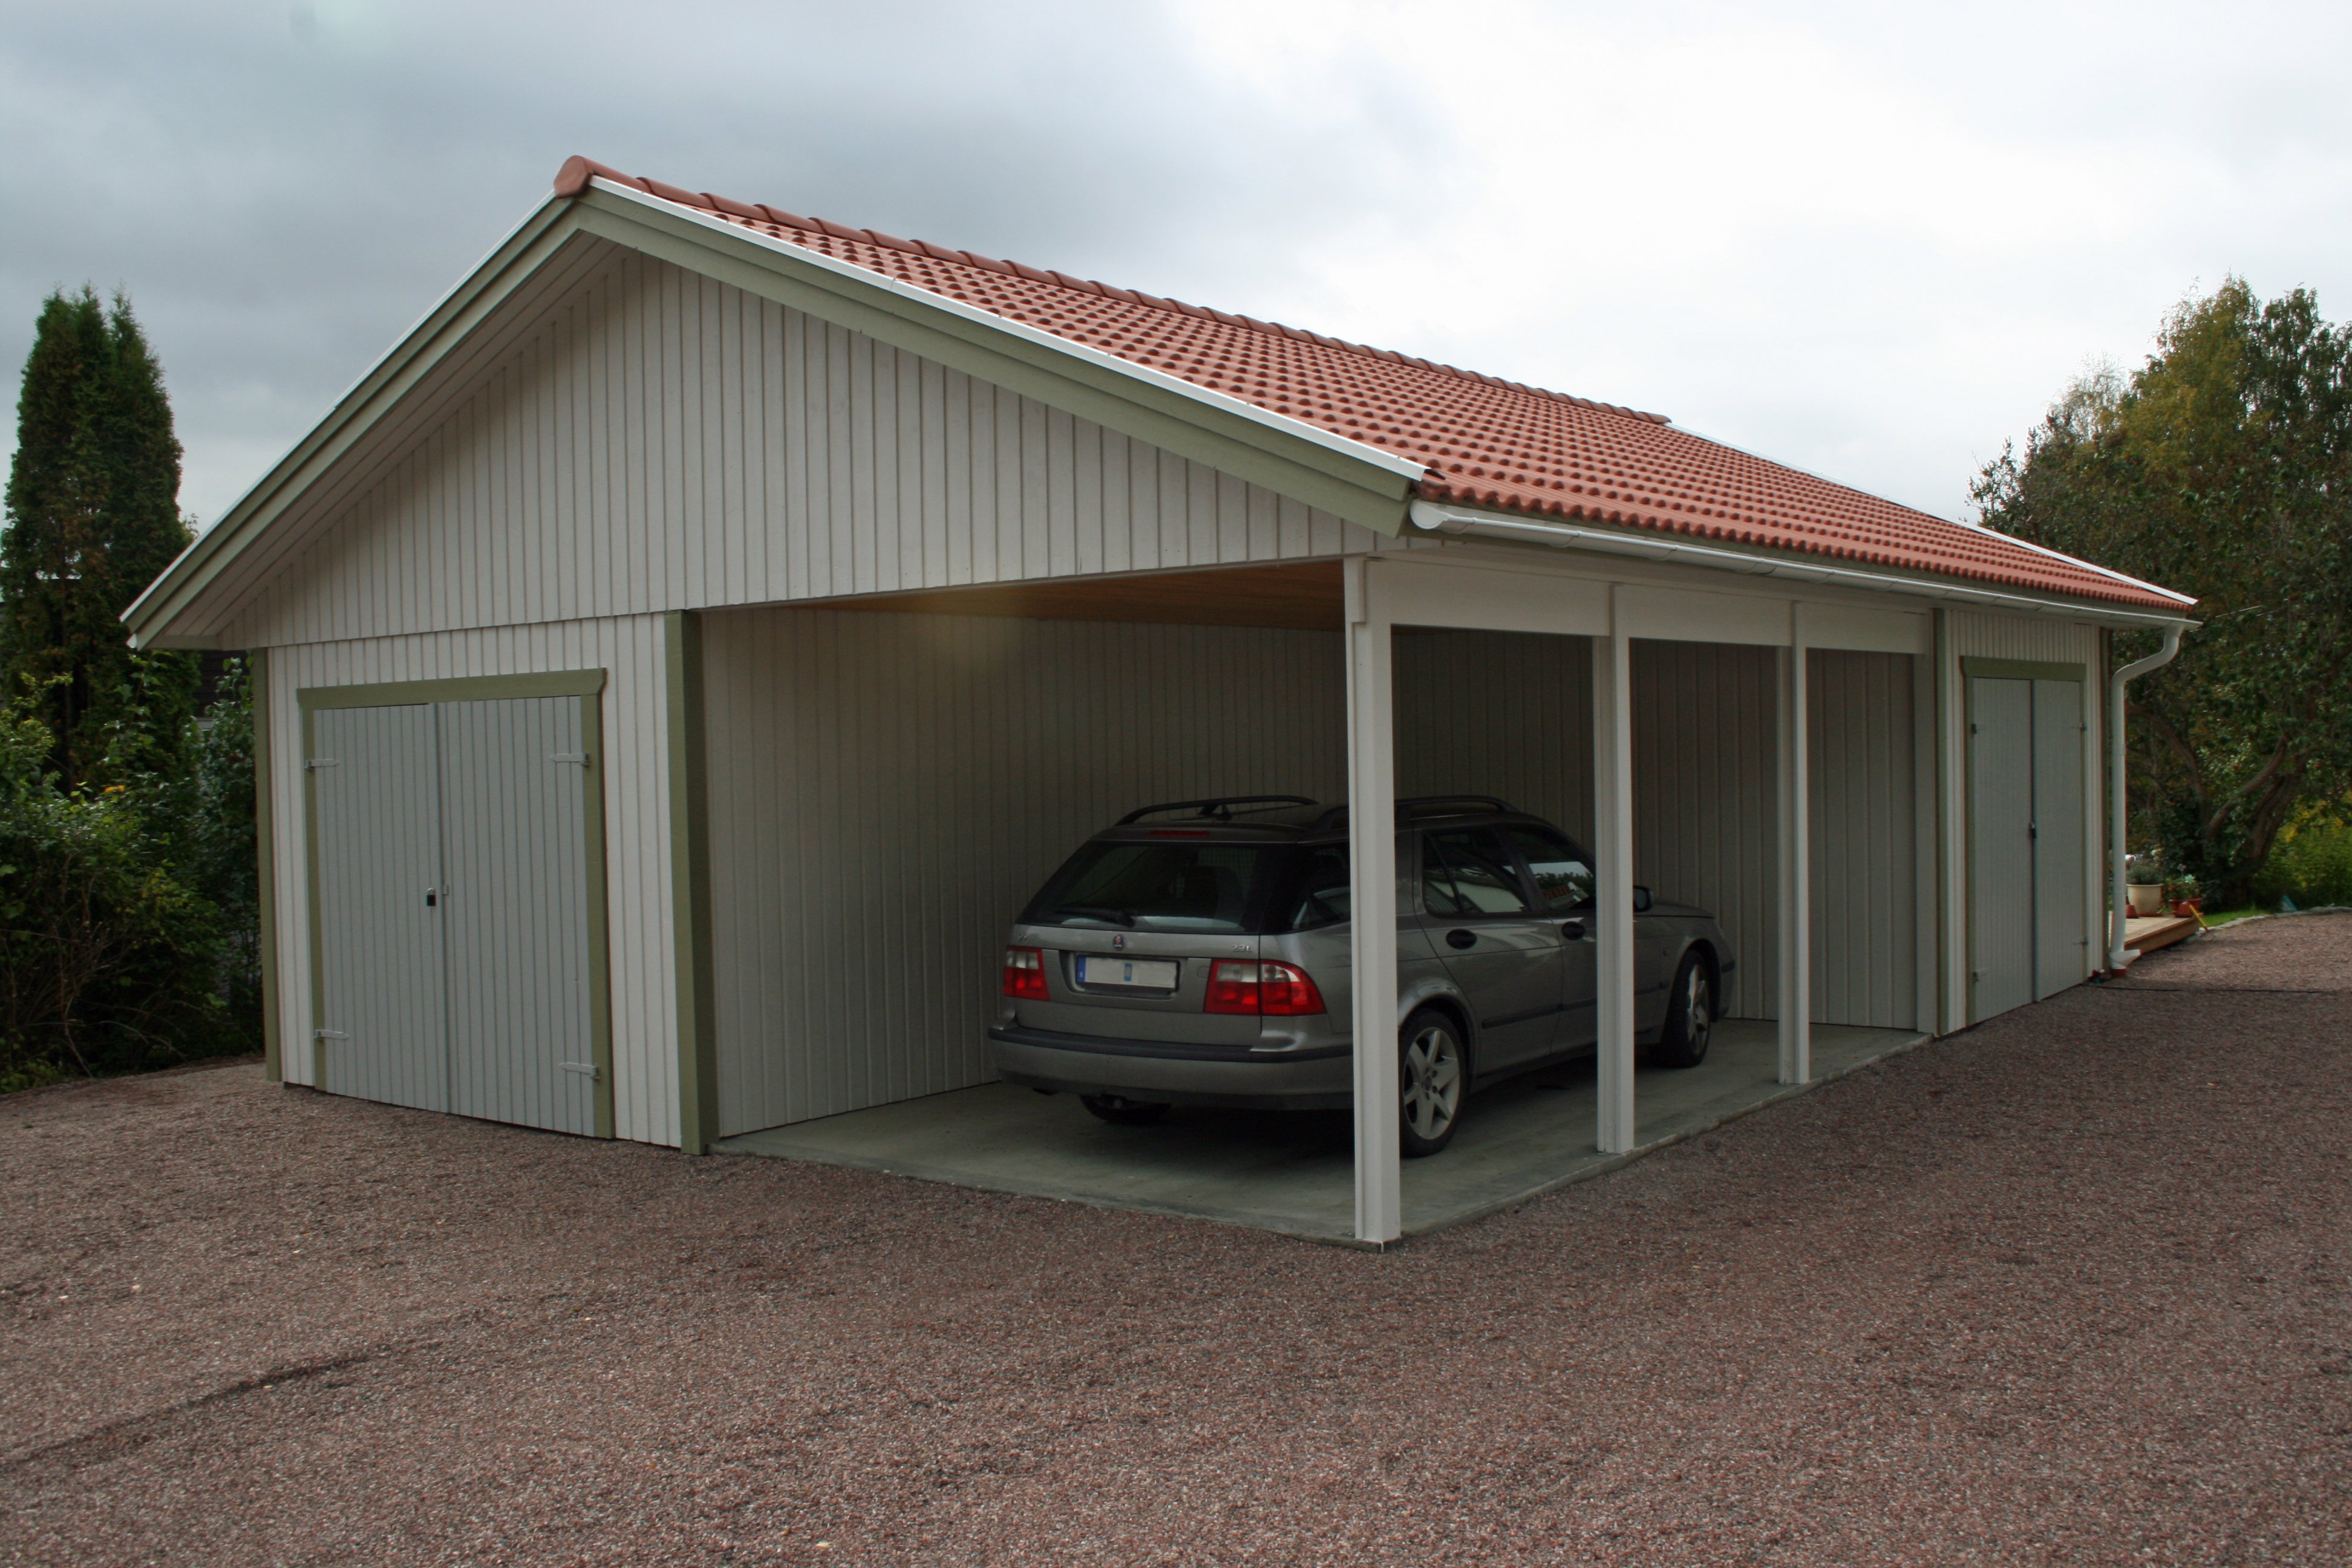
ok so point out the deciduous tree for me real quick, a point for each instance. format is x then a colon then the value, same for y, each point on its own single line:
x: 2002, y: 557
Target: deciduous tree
x: 2221, y: 468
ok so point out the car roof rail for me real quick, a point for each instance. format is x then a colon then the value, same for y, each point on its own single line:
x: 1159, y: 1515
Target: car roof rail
x: 1407, y: 808
x: 1428, y: 802
x: 1220, y: 807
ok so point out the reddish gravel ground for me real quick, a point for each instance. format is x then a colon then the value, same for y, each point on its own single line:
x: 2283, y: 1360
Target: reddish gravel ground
x: 2069, y: 1288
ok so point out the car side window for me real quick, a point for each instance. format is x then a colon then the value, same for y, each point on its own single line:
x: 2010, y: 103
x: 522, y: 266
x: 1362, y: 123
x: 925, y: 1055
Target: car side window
x: 1323, y: 891
x: 1563, y: 876
x: 1479, y: 875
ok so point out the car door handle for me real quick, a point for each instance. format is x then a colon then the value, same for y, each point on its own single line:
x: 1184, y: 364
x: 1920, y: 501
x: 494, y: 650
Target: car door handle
x: 1572, y: 931
x: 1461, y: 939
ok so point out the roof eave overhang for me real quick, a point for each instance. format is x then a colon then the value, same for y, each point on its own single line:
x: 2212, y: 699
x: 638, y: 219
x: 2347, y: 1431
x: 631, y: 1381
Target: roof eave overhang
x: 1445, y: 519
x: 1358, y: 482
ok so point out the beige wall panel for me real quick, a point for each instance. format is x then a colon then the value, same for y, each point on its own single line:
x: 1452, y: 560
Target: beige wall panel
x: 1510, y: 714
x: 1864, y: 797
x: 635, y: 783
x: 664, y: 441
x: 888, y: 791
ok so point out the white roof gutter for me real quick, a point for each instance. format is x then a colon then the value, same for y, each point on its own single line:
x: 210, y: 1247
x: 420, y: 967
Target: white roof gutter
x: 1430, y: 516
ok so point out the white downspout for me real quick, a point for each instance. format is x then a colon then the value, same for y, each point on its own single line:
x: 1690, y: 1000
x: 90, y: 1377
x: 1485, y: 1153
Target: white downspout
x: 2121, y: 898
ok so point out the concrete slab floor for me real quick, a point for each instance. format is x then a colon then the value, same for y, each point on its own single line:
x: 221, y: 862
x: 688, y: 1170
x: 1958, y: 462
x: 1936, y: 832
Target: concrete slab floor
x: 1293, y: 1172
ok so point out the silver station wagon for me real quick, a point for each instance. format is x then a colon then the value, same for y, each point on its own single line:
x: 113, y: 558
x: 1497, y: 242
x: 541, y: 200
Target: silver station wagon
x: 1198, y: 953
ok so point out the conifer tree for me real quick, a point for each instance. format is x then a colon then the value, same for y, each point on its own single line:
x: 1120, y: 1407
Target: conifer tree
x: 92, y: 517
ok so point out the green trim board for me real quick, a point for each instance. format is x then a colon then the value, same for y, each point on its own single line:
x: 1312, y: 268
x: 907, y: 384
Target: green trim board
x: 315, y: 931
x: 1973, y: 666
x: 696, y: 976
x: 600, y: 905
x: 458, y: 689
x: 587, y: 686
x: 265, y: 854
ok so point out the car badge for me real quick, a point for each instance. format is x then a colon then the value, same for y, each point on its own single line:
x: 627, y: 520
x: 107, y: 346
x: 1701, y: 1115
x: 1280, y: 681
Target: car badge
x: 1118, y: 940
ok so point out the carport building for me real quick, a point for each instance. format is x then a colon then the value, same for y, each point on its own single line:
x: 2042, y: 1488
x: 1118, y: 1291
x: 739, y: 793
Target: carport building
x: 680, y: 657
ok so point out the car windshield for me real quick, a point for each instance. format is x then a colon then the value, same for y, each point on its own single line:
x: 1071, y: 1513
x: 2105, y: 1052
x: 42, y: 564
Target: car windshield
x: 1155, y: 886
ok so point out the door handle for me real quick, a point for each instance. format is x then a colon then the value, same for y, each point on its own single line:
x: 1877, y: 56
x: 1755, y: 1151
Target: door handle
x: 1572, y: 931
x: 432, y: 898
x: 1461, y: 939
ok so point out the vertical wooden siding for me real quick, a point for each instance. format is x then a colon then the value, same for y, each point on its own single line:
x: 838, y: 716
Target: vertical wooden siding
x: 636, y: 785
x: 1864, y: 799
x: 665, y: 441
x: 1509, y: 714
x: 886, y: 791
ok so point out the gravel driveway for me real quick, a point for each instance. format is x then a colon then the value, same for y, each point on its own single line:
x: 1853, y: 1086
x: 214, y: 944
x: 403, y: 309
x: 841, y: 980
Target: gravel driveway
x: 2069, y: 1288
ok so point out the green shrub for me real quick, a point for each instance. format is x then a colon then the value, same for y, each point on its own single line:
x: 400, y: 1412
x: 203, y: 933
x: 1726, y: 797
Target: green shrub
x: 114, y: 955
x: 2311, y: 865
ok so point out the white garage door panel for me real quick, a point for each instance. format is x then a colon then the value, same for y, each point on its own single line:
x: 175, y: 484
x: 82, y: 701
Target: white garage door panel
x: 382, y: 1031
x: 2061, y: 934
x: 522, y: 1035
x: 2001, y: 843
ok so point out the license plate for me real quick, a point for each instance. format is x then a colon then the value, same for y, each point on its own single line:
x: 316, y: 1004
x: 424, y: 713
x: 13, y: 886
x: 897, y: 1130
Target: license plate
x: 1145, y: 973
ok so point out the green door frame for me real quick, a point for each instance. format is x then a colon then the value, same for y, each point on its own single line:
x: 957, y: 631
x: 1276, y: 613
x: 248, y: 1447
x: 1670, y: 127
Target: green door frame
x: 588, y: 686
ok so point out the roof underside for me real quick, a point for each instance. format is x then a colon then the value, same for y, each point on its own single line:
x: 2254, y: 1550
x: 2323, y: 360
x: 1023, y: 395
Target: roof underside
x: 1484, y: 442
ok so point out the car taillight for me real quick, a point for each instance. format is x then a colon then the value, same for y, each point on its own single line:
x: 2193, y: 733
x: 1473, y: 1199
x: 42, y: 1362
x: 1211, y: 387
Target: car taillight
x: 1025, y: 975
x: 1273, y: 990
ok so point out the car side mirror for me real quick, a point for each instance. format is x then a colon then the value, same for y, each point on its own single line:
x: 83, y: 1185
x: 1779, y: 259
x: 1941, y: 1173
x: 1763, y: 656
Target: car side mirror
x: 1641, y: 900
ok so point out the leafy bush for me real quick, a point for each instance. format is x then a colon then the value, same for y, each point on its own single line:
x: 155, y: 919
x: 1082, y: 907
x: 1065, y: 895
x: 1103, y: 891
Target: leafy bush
x: 2311, y: 865
x: 126, y: 909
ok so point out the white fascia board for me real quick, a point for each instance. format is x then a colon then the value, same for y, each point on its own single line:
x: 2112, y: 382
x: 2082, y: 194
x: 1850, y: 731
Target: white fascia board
x: 1301, y: 430
x: 1430, y: 517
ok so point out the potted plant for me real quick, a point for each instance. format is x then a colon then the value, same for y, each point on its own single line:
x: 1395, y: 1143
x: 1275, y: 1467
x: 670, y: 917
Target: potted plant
x: 2144, y: 876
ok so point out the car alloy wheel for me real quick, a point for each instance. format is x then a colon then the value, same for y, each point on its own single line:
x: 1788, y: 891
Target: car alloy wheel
x: 1429, y: 1067
x: 1690, y: 1016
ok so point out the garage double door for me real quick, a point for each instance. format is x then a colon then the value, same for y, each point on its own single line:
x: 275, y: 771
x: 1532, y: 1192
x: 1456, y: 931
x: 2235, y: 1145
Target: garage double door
x: 2029, y: 934
x: 457, y: 900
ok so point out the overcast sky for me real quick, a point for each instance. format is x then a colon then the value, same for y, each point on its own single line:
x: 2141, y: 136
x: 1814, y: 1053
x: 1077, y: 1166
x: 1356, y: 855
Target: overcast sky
x: 1873, y: 241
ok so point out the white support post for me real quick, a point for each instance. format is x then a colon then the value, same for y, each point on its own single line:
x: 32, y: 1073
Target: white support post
x: 1612, y: 891
x: 1371, y: 841
x: 1796, y: 865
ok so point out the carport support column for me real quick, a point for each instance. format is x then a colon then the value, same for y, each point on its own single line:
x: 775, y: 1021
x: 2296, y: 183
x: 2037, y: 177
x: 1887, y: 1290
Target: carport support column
x: 1612, y: 892
x: 1371, y: 869
x: 1796, y: 847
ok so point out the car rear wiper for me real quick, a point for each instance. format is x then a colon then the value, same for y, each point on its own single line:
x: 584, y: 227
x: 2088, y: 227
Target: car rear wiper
x: 1100, y: 913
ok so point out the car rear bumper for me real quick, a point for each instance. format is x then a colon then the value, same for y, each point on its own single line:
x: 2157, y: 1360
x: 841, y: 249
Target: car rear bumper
x: 1317, y: 1079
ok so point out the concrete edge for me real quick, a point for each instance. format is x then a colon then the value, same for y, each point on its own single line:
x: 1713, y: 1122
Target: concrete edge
x: 938, y: 1177
x: 1476, y: 1212
x: 1614, y: 1163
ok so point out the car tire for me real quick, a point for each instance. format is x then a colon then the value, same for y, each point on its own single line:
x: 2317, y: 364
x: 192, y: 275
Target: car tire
x: 1690, y: 1016
x: 1434, y: 1080
x: 1122, y: 1112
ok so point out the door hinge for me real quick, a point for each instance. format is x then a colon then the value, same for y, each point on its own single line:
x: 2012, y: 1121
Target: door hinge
x: 328, y: 1035
x: 315, y: 763
x: 588, y: 1067
x: 579, y: 757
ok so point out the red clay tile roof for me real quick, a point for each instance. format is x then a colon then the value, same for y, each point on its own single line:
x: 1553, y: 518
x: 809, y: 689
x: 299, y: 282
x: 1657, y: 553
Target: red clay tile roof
x: 1485, y: 442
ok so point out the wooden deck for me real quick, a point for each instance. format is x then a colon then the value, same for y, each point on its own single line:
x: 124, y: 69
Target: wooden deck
x: 2157, y: 932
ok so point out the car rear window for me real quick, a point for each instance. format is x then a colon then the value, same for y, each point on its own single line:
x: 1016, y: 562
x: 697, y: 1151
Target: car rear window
x: 1159, y: 886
